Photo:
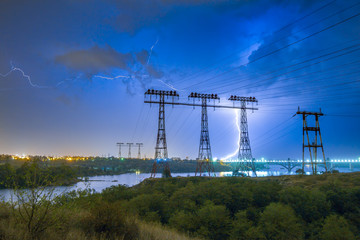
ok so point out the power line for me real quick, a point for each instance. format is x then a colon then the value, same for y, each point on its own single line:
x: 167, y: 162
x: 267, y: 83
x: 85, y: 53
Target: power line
x: 256, y: 84
x: 281, y: 48
x: 279, y: 30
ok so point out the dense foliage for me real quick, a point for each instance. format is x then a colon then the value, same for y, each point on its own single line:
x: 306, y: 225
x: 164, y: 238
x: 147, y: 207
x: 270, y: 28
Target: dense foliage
x: 287, y: 207
x: 308, y: 207
x: 33, y: 172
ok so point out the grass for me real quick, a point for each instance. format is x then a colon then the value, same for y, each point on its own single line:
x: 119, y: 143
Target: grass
x: 148, y: 231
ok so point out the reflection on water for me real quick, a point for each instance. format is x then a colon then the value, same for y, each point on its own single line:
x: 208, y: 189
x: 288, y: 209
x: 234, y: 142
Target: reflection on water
x: 99, y: 183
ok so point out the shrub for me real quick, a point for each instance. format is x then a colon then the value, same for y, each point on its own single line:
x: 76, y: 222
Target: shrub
x: 336, y: 228
x: 278, y: 222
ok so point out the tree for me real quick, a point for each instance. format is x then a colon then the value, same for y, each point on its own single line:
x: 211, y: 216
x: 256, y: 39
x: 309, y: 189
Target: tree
x: 184, y: 221
x: 7, y: 175
x: 311, y: 205
x: 278, y: 222
x: 32, y: 207
x: 240, y: 226
x: 336, y: 228
x: 214, y: 221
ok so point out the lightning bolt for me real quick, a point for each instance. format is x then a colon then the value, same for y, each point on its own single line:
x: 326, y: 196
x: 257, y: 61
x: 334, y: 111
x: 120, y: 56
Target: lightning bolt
x: 68, y: 79
x: 170, y: 86
x: 231, y: 155
x: 16, y: 69
x: 151, y: 50
x: 148, y: 61
x: 111, y: 78
x: 24, y: 75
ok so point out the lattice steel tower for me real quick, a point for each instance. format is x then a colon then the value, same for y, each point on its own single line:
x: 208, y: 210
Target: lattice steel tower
x: 161, y: 154
x: 139, y: 149
x: 314, y: 145
x: 130, y: 145
x: 245, y: 159
x: 205, y: 162
x: 119, y: 144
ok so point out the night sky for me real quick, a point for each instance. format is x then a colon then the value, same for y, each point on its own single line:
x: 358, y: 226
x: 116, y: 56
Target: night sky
x: 74, y: 73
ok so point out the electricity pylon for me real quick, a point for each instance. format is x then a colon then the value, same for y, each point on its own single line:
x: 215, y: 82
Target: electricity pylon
x: 161, y: 153
x: 245, y: 159
x: 139, y: 149
x: 119, y: 144
x: 314, y: 146
x: 204, y: 157
x: 130, y: 145
x: 205, y: 161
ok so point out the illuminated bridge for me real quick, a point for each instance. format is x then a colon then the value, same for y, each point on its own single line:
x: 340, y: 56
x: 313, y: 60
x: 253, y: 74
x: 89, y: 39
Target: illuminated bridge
x: 277, y: 161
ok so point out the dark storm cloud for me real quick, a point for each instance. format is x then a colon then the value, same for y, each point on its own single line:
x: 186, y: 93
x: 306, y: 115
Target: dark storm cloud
x: 331, y: 39
x: 154, y: 72
x: 96, y: 59
x: 143, y: 56
x: 137, y: 14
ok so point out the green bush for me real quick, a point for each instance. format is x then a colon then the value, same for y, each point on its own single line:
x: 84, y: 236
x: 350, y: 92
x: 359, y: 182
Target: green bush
x: 279, y: 222
x: 336, y: 228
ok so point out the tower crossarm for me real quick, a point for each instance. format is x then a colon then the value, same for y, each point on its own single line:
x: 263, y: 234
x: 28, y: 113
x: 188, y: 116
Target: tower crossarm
x: 152, y: 92
x: 311, y: 128
x: 243, y: 99
x: 209, y: 96
x: 306, y: 113
x: 313, y: 146
x: 200, y: 105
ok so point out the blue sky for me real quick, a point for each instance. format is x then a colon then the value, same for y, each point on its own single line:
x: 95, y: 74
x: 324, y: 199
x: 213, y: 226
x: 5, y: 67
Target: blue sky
x: 90, y: 62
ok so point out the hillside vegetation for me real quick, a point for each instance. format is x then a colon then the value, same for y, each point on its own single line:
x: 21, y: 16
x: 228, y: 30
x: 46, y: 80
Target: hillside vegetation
x: 287, y: 207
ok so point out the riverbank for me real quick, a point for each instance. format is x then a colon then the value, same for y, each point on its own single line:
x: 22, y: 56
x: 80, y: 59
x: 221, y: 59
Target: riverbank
x: 35, y: 174
x: 281, y: 207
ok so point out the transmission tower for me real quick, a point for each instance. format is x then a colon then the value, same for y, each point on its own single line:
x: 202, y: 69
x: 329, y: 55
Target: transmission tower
x: 314, y: 145
x: 139, y: 149
x: 161, y: 154
x: 130, y: 145
x: 245, y: 159
x: 205, y: 158
x: 119, y: 144
x: 205, y: 162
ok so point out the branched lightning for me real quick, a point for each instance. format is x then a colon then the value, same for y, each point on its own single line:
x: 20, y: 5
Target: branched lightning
x: 231, y: 155
x: 14, y: 69
x: 111, y: 78
x: 151, y: 50
x: 130, y: 77
x: 68, y: 79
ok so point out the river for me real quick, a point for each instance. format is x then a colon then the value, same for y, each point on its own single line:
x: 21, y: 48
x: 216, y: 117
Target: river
x: 99, y: 183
